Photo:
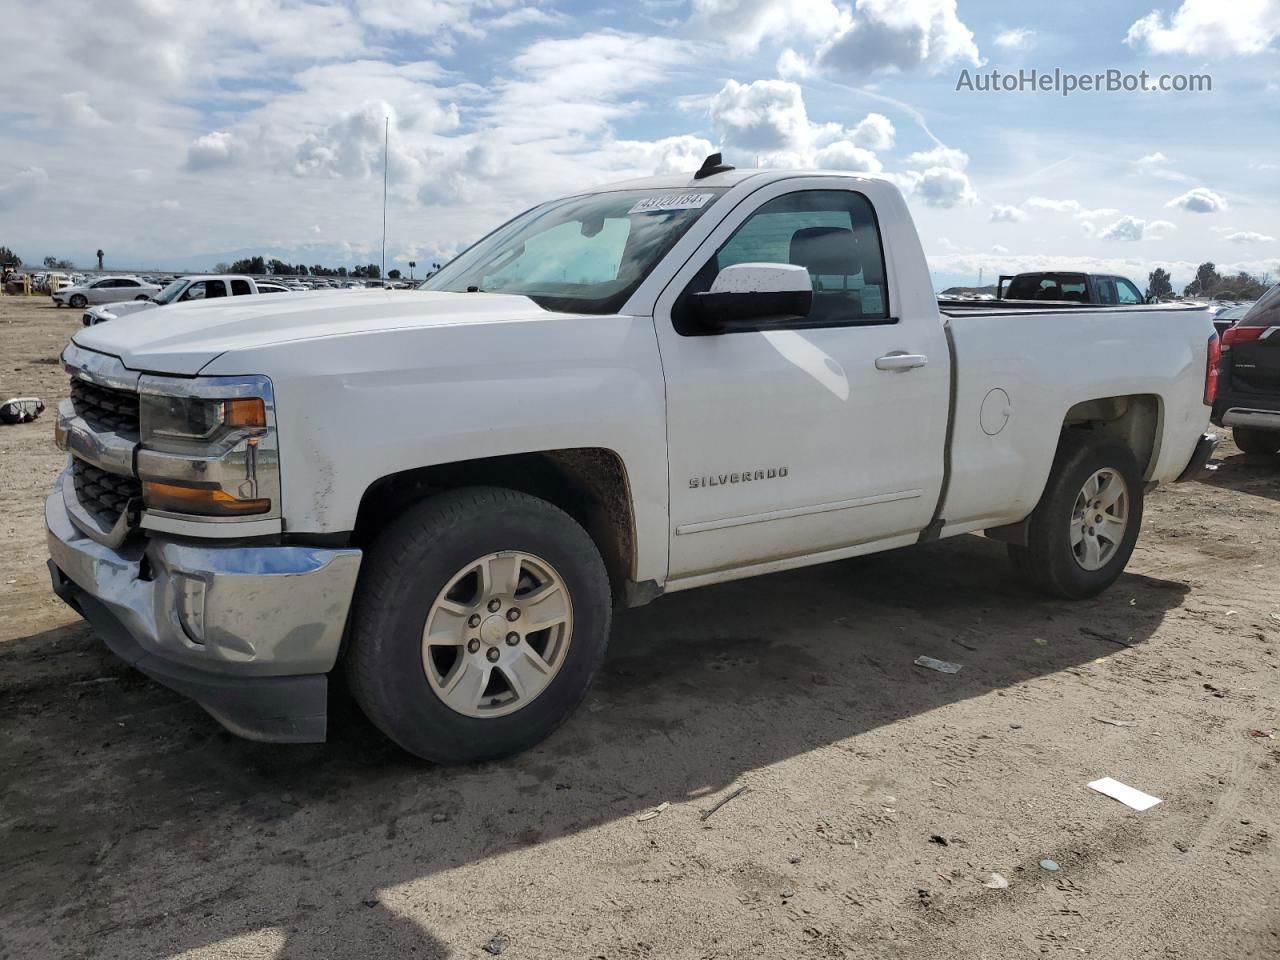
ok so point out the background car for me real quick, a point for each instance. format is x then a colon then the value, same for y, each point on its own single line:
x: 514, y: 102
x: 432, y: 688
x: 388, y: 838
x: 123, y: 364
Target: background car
x: 1225, y: 319
x: 105, y: 290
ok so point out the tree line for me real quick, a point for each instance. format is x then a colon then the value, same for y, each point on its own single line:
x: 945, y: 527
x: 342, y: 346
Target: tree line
x: 1210, y: 284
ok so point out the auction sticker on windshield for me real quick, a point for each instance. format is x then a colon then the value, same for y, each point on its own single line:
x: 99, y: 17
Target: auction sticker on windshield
x: 671, y: 201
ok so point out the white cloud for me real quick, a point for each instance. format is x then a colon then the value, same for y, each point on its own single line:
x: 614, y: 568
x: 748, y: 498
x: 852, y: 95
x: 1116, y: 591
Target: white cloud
x: 768, y: 119
x: 78, y: 111
x: 1248, y: 236
x: 844, y: 155
x: 745, y: 24
x: 1004, y: 213
x: 794, y: 66
x: 873, y: 132
x: 940, y: 187
x: 217, y: 149
x: 1018, y: 38
x: 899, y: 35
x: 22, y: 186
x: 1208, y: 28
x: 1134, y: 229
x: 996, y: 248
x: 1073, y: 207
x: 939, y: 157
x: 1199, y: 200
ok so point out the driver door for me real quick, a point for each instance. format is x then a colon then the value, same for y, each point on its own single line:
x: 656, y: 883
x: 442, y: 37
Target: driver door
x: 791, y: 440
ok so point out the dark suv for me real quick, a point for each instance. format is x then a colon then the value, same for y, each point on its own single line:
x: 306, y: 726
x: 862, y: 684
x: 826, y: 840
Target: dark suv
x: 1248, y: 394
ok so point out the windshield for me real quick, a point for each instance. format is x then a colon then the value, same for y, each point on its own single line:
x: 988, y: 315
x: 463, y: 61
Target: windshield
x: 581, y: 254
x: 169, y: 292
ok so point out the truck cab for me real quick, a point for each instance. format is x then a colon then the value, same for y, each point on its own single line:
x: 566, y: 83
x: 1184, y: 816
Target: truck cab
x: 1064, y: 287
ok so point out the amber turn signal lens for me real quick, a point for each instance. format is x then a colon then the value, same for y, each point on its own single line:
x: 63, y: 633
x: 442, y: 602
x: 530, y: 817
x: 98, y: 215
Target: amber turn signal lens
x: 244, y: 412
x: 198, y: 501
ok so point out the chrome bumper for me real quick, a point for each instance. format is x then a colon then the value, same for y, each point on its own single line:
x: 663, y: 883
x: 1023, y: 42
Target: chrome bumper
x: 249, y: 632
x: 1243, y: 417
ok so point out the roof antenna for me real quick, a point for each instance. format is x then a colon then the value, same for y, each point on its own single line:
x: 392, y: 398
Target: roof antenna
x: 712, y: 165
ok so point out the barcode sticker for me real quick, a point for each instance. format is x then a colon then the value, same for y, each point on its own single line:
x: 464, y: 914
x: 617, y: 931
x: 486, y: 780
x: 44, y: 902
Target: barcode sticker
x: 671, y: 201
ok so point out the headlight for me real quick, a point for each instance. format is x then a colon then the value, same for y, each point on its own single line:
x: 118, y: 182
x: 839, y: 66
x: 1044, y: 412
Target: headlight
x: 208, y: 448
x: 179, y: 422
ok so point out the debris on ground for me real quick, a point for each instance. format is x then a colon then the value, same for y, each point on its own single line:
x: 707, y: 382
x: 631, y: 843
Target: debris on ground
x: 497, y: 943
x: 942, y: 666
x: 939, y: 840
x: 1050, y: 865
x: 997, y: 881
x: 655, y: 812
x: 1127, y: 795
x: 21, y: 409
x: 717, y: 806
x: 1268, y: 734
x: 1117, y: 723
x: 1109, y: 638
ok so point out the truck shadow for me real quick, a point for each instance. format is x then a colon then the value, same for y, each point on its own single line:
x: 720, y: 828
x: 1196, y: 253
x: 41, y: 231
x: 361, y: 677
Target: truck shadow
x: 1245, y: 473
x: 129, y: 814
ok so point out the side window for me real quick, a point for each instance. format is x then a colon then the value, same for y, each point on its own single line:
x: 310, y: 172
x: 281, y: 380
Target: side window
x: 194, y: 292
x: 240, y: 288
x: 1126, y: 292
x: 214, y: 288
x: 104, y: 284
x: 831, y: 233
x: 1106, y: 290
x: 127, y: 283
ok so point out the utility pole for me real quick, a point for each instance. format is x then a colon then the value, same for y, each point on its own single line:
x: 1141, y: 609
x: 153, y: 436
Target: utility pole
x: 386, y: 154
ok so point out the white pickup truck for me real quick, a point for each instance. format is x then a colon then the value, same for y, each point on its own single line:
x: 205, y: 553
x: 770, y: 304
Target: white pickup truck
x: 643, y: 388
x: 182, y: 290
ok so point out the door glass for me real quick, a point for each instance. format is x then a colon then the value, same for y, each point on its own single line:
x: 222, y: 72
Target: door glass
x: 240, y: 288
x: 1126, y: 292
x: 831, y: 233
x: 1106, y: 291
x: 195, y: 291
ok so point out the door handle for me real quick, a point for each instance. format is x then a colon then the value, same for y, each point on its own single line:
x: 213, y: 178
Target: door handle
x: 901, y: 362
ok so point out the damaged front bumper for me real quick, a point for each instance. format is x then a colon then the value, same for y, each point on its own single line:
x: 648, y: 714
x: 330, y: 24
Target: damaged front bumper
x: 248, y: 632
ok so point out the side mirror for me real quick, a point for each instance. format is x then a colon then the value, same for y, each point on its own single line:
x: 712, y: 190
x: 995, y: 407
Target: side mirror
x: 749, y: 295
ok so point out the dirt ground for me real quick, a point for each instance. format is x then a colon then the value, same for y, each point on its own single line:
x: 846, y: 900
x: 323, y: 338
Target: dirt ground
x: 879, y: 796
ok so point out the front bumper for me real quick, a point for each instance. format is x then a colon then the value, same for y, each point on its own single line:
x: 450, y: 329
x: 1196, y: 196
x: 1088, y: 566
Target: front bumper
x: 248, y: 632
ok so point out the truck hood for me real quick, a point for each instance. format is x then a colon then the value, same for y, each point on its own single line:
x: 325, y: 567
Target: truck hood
x: 184, y: 337
x: 123, y: 307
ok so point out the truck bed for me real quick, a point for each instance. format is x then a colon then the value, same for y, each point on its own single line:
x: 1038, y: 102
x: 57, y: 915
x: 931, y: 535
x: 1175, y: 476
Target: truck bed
x: 968, y: 308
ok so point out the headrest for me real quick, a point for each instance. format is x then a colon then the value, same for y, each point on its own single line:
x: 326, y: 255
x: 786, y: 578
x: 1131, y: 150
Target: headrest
x: 826, y: 251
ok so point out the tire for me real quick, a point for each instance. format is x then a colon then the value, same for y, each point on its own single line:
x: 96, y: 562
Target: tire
x: 1052, y: 562
x: 1256, y: 440
x: 405, y: 579
x: 142, y: 297
x: 79, y: 301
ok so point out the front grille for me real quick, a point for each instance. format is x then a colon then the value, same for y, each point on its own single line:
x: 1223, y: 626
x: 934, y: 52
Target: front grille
x: 105, y: 495
x: 106, y: 407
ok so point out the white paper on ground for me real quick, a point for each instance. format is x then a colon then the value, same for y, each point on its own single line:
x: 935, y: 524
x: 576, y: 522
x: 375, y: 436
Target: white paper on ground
x: 1125, y: 794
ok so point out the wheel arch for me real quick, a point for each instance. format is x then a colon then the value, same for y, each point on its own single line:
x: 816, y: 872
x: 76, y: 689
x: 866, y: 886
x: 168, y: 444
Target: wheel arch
x: 588, y: 483
x: 1135, y: 420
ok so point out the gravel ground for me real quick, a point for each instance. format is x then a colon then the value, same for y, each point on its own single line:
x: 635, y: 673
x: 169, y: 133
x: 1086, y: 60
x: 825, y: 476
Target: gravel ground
x: 878, y: 796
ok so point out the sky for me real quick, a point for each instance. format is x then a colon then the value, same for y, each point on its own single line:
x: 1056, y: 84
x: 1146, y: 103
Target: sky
x: 178, y: 134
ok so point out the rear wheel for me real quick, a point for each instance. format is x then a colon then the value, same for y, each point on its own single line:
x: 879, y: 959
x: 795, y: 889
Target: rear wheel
x: 481, y: 619
x: 1256, y: 440
x: 79, y: 302
x: 1082, y: 532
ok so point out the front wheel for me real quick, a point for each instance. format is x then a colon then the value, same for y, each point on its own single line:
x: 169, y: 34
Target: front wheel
x: 79, y: 302
x: 1256, y: 441
x: 1082, y: 532
x: 481, y: 619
